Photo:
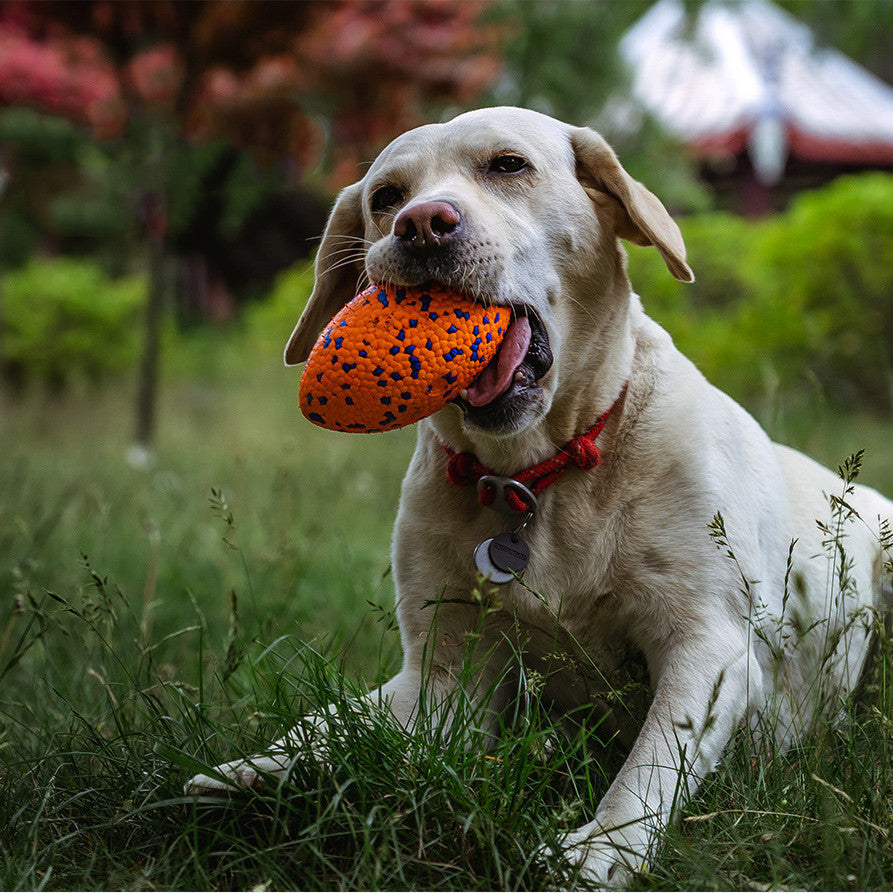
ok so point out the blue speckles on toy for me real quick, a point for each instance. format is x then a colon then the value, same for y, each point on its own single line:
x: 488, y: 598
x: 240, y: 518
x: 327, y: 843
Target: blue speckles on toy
x: 405, y: 351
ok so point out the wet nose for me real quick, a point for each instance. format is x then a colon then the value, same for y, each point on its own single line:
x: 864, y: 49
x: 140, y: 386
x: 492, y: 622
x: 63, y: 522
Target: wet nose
x: 428, y: 226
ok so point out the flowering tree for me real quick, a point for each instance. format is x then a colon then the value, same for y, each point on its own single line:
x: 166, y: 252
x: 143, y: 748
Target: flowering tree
x: 267, y: 76
x: 283, y: 80
x: 60, y: 73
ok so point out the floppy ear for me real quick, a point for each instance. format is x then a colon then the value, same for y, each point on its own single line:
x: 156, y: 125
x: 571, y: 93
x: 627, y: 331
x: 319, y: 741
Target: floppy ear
x: 641, y: 218
x: 338, y: 268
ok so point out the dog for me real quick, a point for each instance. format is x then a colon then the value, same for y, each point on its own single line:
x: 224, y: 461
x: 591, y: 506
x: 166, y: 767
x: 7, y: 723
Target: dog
x: 668, y: 523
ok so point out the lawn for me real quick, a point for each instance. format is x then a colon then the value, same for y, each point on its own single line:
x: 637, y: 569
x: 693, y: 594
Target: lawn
x: 154, y: 621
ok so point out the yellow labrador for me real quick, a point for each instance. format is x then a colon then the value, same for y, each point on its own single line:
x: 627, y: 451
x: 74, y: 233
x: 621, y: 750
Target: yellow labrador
x: 515, y: 208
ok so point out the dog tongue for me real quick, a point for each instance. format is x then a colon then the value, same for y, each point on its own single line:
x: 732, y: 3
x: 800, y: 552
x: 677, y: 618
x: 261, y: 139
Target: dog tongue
x: 497, y: 377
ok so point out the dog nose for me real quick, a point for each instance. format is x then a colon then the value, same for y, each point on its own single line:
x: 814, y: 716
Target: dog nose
x: 427, y: 226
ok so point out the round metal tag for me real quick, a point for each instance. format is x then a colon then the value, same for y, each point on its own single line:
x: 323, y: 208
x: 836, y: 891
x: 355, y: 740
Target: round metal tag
x: 509, y: 552
x: 485, y: 565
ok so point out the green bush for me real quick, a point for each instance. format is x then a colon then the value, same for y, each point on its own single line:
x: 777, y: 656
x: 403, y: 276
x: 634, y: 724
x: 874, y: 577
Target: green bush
x: 64, y: 319
x: 270, y: 322
x: 799, y: 298
x: 831, y: 258
x: 703, y: 317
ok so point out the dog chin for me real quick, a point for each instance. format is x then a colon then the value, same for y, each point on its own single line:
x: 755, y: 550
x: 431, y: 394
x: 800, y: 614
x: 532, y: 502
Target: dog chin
x: 516, y: 409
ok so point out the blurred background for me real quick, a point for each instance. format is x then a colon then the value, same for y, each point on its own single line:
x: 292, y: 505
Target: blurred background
x: 166, y: 167
x: 165, y: 173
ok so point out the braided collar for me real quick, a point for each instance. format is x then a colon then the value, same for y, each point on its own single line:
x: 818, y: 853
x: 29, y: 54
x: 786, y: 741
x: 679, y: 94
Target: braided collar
x: 465, y: 469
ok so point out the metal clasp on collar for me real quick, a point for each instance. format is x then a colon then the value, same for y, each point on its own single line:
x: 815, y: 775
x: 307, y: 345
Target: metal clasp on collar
x: 492, y: 490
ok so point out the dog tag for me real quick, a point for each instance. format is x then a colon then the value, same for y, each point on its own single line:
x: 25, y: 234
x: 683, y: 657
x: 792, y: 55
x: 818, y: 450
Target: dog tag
x: 509, y: 552
x: 485, y: 565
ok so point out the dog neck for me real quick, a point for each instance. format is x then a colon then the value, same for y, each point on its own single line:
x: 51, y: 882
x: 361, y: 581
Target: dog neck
x: 520, y: 492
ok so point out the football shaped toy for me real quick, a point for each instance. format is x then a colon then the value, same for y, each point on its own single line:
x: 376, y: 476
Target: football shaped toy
x: 395, y: 355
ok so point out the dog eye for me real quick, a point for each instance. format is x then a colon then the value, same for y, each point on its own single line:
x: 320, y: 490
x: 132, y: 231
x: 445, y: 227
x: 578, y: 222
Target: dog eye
x: 385, y: 197
x: 508, y: 164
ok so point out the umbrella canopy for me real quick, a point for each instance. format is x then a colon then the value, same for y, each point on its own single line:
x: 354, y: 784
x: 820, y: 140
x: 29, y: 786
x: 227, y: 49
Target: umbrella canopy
x: 746, y: 76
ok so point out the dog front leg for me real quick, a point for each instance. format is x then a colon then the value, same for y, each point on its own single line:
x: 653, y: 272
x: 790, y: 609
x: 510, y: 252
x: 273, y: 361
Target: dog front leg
x: 400, y: 695
x: 699, y: 701
x: 428, y: 680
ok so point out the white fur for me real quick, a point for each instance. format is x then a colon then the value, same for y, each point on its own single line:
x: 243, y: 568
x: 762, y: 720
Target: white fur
x: 623, y: 553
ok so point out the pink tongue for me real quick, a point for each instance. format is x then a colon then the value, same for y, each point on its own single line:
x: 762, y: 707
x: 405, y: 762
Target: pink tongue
x: 497, y: 377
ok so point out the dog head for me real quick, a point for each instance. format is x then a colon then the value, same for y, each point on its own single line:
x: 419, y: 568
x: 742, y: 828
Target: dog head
x: 510, y: 207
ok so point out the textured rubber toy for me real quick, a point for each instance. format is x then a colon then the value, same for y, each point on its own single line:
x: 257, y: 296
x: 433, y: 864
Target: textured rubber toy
x: 394, y: 355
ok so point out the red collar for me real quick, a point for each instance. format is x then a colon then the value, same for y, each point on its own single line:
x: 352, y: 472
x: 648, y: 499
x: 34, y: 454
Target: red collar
x: 464, y: 469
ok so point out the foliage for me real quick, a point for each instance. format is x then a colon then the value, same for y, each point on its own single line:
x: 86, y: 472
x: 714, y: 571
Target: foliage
x: 41, y: 139
x: 368, y: 68
x: 560, y: 58
x: 863, y: 30
x: 831, y: 260
x: 181, y: 92
x: 799, y: 299
x: 379, y: 67
x: 80, y: 197
x: 652, y: 155
x: 62, y: 73
x: 239, y: 186
x: 64, y: 320
x: 39, y: 157
x: 270, y: 322
x: 786, y: 304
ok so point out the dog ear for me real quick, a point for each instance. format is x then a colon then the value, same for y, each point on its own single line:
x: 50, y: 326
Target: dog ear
x: 641, y: 218
x: 338, y: 269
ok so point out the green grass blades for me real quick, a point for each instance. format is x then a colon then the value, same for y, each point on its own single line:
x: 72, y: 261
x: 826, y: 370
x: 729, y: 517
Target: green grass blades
x: 156, y: 622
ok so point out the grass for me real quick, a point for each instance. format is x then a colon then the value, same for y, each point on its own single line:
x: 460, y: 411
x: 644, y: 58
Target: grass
x: 154, y: 622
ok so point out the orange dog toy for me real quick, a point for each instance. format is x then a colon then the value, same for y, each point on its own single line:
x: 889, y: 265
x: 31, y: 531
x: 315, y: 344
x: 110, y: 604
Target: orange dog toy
x: 395, y: 355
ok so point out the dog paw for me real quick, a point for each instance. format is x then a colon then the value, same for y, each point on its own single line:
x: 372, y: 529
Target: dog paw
x: 602, y: 863
x: 601, y: 866
x: 239, y: 776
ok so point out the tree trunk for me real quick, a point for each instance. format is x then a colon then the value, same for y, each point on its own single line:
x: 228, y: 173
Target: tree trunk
x: 154, y: 218
x: 147, y: 387
x: 4, y: 180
